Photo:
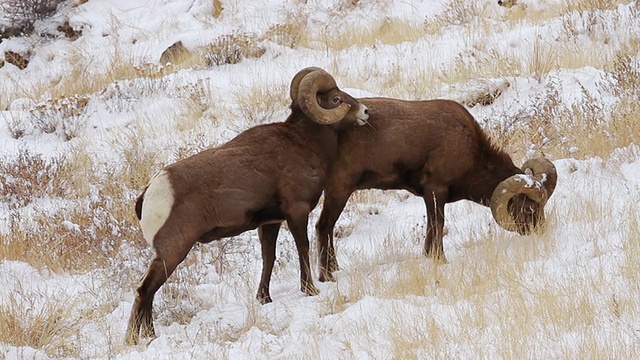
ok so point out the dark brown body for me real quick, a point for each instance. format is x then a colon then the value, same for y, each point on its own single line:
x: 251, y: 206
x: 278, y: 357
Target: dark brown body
x: 266, y: 175
x: 262, y: 193
x: 434, y: 149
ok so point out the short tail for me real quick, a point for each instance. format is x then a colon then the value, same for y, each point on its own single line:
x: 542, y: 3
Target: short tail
x: 139, y: 204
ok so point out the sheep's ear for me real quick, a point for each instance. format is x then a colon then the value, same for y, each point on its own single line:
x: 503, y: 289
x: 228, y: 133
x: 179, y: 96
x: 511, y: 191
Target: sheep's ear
x: 312, y: 83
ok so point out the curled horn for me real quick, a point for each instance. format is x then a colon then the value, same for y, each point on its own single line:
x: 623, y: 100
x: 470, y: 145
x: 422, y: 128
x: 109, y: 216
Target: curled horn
x: 537, y: 183
x: 295, y: 83
x: 544, y: 171
x: 310, y: 85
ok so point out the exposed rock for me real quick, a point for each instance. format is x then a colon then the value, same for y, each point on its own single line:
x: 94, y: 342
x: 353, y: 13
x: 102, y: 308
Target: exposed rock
x: 175, y: 54
x: 217, y: 8
x: 507, y: 3
x: 69, y: 31
x: 21, y: 61
x: 15, y: 31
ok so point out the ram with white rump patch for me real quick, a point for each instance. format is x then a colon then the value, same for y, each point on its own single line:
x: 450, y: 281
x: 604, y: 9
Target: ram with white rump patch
x: 264, y: 176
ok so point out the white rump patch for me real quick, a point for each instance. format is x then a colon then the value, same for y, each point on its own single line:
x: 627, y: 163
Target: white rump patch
x: 156, y: 206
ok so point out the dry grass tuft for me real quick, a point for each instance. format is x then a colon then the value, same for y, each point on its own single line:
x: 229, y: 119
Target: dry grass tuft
x: 542, y: 59
x: 590, y: 5
x: 139, y: 162
x: 393, y: 32
x: 198, y: 99
x: 386, y: 31
x: 455, y: 13
x: 88, y: 233
x: 153, y: 70
x: 290, y: 34
x: 50, y: 326
x: 259, y: 104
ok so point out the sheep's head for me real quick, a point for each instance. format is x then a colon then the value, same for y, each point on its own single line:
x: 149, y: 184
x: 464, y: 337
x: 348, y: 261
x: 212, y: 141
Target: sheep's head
x: 518, y: 202
x: 322, y: 101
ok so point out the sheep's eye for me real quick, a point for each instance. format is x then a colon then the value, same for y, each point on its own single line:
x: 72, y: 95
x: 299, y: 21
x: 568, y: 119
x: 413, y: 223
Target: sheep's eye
x: 336, y: 100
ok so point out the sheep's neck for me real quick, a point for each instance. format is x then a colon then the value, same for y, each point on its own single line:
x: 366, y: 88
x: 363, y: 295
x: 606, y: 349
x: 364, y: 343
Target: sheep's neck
x: 321, y: 139
x: 497, y: 167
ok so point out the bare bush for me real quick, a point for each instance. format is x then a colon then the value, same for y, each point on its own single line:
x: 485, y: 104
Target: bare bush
x: 31, y: 176
x: 626, y: 75
x: 66, y: 116
x: 231, y: 49
x: 22, y: 14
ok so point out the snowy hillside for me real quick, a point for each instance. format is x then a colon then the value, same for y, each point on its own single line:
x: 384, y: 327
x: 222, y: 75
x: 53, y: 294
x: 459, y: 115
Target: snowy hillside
x: 93, y: 116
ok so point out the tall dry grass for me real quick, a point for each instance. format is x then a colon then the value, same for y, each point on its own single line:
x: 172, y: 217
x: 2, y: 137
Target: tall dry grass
x: 51, y: 326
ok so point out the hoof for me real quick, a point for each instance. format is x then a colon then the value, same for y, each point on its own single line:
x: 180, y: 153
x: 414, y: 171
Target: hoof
x: 134, y: 339
x: 264, y: 301
x: 310, y: 290
x: 326, y: 276
x: 264, y: 298
x: 131, y: 339
x: 333, y: 266
x: 438, y: 259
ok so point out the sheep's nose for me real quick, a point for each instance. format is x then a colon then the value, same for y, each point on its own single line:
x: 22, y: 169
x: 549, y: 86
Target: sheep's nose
x: 365, y: 112
x: 363, y: 115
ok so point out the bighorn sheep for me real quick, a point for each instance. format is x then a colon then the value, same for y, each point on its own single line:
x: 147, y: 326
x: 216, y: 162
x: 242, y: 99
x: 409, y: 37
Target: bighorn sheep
x: 265, y: 175
x: 434, y: 149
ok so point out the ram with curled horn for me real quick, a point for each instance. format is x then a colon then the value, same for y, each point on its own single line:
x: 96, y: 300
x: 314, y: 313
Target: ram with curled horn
x: 266, y: 175
x: 436, y: 150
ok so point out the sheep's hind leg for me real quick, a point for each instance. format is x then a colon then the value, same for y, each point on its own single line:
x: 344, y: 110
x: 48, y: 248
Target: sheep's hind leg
x: 141, y: 319
x: 268, y: 235
x: 162, y: 266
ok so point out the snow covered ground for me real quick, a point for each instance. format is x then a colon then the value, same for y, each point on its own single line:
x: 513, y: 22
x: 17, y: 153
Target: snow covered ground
x: 570, y: 292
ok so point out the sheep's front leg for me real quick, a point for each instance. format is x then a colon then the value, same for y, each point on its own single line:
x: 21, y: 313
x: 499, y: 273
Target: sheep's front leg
x: 268, y: 235
x: 334, y: 203
x: 433, y: 246
x: 298, y: 219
